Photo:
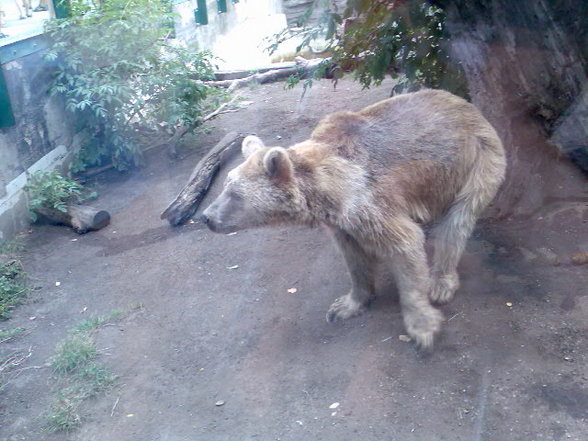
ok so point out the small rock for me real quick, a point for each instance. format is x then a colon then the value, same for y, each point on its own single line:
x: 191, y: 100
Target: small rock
x: 528, y: 255
x: 404, y: 338
x: 334, y: 406
x: 219, y: 403
x: 549, y: 256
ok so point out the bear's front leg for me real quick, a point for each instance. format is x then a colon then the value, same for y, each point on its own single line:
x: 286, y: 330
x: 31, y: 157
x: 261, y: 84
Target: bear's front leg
x: 411, y: 271
x: 361, y: 264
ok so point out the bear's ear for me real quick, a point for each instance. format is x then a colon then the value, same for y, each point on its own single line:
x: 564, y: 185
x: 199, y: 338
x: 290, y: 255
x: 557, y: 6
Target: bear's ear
x: 278, y: 165
x: 251, y: 144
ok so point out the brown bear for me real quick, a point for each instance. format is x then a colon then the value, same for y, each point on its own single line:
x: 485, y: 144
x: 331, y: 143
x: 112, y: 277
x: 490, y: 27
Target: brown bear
x: 375, y: 178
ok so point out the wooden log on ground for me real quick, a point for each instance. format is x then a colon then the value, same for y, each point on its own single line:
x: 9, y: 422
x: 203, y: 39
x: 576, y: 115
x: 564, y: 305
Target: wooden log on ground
x: 81, y: 218
x: 187, y: 202
x: 221, y: 75
x: 303, y: 66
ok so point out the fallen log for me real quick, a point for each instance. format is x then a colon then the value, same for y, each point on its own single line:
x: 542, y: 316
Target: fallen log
x: 81, y: 218
x: 303, y: 67
x: 220, y: 75
x: 190, y: 197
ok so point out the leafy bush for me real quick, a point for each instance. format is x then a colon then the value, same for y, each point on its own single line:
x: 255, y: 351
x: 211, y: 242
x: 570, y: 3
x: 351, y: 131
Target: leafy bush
x: 50, y: 190
x: 120, y: 74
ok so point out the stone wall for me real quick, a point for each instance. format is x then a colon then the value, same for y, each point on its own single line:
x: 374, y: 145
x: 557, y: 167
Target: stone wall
x: 42, y: 136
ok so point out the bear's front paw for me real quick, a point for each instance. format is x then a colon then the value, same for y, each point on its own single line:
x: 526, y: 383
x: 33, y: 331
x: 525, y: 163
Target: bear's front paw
x: 343, y: 308
x: 423, y: 324
x: 443, y: 288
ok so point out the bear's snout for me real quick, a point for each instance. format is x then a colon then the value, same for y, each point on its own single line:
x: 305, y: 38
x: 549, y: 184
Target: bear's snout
x: 214, y: 224
x: 204, y: 219
x: 208, y: 221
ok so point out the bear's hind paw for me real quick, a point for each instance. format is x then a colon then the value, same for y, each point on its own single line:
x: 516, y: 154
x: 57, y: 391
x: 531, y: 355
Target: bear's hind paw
x: 443, y: 288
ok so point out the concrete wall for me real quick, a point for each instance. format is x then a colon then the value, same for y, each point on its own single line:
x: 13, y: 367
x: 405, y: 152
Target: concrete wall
x: 40, y: 139
x: 235, y: 36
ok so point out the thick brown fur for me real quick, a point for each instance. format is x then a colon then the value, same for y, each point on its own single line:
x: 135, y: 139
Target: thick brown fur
x: 375, y: 178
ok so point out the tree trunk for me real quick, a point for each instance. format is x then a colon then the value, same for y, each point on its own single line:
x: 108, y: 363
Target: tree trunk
x: 189, y: 199
x: 80, y: 217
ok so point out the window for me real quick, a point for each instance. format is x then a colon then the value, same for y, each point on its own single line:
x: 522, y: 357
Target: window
x: 201, y: 13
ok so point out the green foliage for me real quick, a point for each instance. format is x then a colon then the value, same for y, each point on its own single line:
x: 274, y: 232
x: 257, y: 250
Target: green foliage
x: 403, y: 39
x: 12, y: 246
x: 120, y: 73
x: 64, y: 415
x: 12, y: 291
x: 96, y: 322
x: 13, y: 287
x: 11, y: 333
x: 74, y: 353
x: 49, y: 189
x: 81, y: 374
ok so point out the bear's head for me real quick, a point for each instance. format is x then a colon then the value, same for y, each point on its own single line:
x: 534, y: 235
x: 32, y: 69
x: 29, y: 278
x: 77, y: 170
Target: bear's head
x: 261, y: 191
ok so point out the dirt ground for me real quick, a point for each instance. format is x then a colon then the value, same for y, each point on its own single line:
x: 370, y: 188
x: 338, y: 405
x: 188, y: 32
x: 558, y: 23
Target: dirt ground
x: 209, y: 330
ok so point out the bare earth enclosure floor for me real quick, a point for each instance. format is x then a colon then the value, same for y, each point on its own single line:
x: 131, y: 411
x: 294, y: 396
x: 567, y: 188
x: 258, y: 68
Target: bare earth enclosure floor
x: 218, y: 324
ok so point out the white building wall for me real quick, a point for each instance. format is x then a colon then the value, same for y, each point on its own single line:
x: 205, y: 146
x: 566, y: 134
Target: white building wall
x: 237, y: 36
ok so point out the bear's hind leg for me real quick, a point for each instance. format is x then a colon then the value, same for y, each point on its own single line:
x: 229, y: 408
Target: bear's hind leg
x: 449, y: 238
x: 452, y: 232
x: 361, y: 266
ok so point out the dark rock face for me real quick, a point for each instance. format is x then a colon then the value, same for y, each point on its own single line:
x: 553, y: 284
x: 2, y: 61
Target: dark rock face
x: 570, y: 131
x: 525, y: 64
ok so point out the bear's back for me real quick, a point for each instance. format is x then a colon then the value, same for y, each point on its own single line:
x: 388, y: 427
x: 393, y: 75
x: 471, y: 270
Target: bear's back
x: 429, y: 125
